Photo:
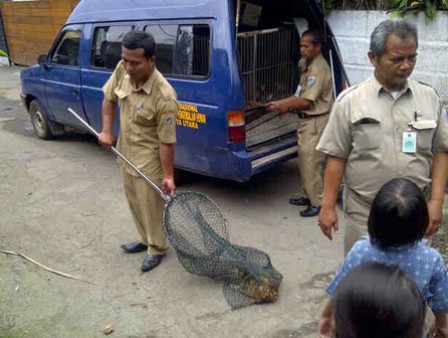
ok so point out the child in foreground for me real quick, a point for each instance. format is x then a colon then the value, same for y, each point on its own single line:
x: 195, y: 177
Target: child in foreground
x: 378, y: 300
x: 397, y: 223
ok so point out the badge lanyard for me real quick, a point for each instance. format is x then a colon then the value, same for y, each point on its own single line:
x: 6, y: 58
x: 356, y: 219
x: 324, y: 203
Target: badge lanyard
x: 410, y: 137
x: 409, y: 141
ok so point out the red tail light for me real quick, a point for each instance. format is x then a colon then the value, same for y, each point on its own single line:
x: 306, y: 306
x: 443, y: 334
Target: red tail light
x: 236, y: 126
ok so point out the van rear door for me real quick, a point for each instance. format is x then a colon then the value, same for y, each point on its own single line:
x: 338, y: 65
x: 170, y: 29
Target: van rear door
x: 267, y: 36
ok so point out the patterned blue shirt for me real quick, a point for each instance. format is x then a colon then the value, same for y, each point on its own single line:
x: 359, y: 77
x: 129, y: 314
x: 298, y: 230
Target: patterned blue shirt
x: 423, y: 264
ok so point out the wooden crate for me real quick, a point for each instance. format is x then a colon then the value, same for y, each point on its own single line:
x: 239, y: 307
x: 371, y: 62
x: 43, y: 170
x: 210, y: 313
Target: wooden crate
x: 31, y: 26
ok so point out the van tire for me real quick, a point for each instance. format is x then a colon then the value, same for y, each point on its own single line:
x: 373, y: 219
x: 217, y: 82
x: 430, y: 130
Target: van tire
x: 39, y: 120
x: 181, y: 177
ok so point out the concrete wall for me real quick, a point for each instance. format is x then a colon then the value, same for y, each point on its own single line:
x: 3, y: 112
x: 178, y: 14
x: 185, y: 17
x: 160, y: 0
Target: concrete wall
x: 353, y: 28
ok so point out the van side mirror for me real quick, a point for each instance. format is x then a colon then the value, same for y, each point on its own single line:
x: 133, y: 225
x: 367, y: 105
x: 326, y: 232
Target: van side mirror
x: 42, y: 60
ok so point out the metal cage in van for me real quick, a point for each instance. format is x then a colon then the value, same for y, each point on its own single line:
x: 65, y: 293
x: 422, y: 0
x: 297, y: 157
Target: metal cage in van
x: 266, y: 59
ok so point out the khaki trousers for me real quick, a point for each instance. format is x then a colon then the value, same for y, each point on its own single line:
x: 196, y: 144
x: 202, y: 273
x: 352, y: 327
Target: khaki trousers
x: 310, y: 160
x: 146, y: 207
x: 356, y: 212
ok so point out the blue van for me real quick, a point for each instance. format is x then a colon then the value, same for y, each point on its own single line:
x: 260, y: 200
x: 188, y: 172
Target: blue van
x: 225, y: 58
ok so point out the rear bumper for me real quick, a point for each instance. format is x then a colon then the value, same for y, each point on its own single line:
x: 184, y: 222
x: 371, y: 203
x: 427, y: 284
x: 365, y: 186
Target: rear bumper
x: 266, y: 157
x: 236, y: 165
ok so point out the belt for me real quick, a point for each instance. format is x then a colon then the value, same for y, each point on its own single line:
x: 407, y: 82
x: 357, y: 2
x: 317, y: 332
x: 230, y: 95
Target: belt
x: 304, y: 116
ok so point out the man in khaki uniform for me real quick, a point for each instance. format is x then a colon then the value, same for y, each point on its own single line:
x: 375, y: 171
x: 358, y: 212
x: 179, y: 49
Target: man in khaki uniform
x: 148, y: 109
x: 385, y: 127
x: 313, y: 99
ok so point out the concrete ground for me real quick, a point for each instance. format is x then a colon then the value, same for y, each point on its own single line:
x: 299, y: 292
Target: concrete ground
x: 62, y: 204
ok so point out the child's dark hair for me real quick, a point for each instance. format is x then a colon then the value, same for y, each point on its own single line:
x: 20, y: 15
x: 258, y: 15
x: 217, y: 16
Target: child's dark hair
x: 399, y: 214
x: 375, y: 300
x: 138, y: 39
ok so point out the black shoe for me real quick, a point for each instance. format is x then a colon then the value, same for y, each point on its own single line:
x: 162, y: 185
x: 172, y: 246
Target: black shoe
x: 299, y: 201
x: 311, y: 211
x: 150, y: 262
x: 134, y: 247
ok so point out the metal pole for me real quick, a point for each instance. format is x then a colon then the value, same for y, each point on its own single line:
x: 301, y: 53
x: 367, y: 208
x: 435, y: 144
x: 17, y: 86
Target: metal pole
x: 237, y: 22
x: 332, y: 74
x: 116, y: 152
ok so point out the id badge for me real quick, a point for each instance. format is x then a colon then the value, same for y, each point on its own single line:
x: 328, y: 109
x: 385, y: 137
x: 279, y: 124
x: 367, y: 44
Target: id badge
x: 409, y: 142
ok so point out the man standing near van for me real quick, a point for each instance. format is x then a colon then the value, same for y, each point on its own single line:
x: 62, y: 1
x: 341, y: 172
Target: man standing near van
x: 312, y: 102
x: 148, y: 109
x: 387, y: 126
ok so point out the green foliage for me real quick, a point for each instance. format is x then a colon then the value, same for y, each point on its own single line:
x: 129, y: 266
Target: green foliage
x: 327, y: 5
x: 352, y: 4
x: 398, y: 7
x: 2, y: 53
x: 405, y: 8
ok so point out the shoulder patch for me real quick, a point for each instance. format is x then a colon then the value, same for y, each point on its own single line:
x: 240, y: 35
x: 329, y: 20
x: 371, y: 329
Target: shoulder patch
x: 311, y: 80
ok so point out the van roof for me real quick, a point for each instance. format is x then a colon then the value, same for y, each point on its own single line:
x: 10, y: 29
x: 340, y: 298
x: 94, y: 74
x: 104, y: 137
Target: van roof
x: 124, y: 10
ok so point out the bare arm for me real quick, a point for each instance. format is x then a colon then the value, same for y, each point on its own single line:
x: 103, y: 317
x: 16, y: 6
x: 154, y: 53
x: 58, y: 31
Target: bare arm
x: 440, y: 319
x: 106, y: 138
x: 290, y: 102
x: 166, y: 152
x: 439, y: 176
x: 328, y: 217
x: 439, y: 329
x: 326, y: 326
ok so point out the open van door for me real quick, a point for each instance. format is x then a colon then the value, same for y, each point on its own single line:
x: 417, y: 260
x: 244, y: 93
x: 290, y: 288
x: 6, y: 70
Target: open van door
x: 268, y: 50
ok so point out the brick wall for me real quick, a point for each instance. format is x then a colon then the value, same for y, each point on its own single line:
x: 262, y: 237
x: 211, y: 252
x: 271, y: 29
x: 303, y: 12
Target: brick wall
x: 31, y: 26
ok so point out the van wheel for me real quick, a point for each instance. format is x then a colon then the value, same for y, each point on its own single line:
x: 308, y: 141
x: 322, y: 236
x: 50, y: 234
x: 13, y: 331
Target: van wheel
x: 181, y: 176
x: 40, y: 121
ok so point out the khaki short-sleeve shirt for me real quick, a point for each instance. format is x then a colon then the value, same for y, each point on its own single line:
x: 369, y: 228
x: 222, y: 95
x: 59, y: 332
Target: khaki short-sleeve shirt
x: 366, y: 128
x: 316, y: 86
x: 147, y: 118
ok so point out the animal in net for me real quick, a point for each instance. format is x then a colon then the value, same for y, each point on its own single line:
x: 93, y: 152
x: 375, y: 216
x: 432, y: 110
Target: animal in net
x: 199, y: 233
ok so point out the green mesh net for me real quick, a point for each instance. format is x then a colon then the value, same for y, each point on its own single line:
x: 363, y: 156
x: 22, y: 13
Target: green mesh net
x: 199, y: 233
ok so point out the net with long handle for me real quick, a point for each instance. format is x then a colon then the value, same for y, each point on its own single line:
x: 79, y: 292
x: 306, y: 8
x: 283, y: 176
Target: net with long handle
x: 199, y: 233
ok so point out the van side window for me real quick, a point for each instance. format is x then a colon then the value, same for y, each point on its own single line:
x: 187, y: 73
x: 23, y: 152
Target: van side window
x: 182, y: 49
x: 106, y: 46
x: 67, y: 50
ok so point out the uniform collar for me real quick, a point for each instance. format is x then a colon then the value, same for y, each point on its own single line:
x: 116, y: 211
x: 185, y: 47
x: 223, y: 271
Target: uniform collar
x: 378, y: 87
x: 315, y: 60
x: 147, y: 87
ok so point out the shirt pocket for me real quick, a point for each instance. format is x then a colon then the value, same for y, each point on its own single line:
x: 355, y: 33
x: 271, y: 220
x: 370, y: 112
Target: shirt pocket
x: 366, y: 133
x: 424, y: 139
x: 144, y: 117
